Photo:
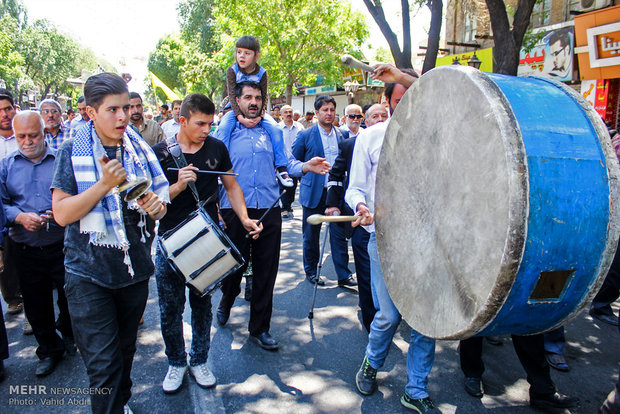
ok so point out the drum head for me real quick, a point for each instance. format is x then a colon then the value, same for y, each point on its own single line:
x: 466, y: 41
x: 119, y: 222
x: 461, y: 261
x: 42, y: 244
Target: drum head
x: 451, y: 202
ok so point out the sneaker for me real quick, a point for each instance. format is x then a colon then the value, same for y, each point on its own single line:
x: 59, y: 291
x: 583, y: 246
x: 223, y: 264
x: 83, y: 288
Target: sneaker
x: 366, y: 378
x: 421, y: 405
x: 15, y: 308
x: 203, y: 375
x: 284, y: 179
x: 27, y: 328
x: 174, y: 379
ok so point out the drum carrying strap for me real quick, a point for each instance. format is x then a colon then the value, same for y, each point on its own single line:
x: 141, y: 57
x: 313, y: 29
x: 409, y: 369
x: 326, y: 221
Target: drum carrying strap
x: 179, y: 159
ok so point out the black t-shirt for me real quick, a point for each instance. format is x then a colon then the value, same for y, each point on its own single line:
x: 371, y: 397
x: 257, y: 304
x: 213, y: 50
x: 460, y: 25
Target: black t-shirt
x: 213, y: 155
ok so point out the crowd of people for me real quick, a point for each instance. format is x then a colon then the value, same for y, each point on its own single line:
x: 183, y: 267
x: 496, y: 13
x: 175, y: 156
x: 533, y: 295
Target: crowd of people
x: 95, y: 248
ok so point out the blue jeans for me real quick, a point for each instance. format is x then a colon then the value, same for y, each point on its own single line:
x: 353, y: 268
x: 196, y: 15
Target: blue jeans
x: 554, y: 341
x: 229, y: 122
x: 171, y: 290
x: 105, y: 327
x: 383, y: 327
x: 311, y: 244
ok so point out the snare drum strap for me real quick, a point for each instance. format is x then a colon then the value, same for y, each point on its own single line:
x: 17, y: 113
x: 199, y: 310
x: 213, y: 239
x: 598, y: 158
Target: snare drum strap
x: 177, y: 154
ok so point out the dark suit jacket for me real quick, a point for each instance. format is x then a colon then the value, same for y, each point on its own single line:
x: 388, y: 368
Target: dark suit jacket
x: 308, y: 145
x: 340, y: 173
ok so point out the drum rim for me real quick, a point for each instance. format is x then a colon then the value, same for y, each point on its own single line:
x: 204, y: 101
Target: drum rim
x: 518, y: 205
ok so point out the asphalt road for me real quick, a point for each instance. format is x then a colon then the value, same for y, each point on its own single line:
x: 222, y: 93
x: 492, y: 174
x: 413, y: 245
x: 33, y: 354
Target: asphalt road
x: 314, y: 370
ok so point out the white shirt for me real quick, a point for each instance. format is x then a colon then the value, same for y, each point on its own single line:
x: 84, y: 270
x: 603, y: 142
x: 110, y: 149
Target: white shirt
x: 330, y: 147
x: 289, y: 134
x: 364, y: 168
x: 7, y: 146
x: 171, y: 128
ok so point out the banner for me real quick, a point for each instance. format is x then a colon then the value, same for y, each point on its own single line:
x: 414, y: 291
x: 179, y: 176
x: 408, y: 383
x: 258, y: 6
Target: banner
x: 485, y: 56
x: 552, y: 57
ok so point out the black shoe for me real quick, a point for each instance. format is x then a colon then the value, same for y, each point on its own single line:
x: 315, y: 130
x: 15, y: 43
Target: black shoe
x: 70, y: 347
x: 604, y: 317
x: 46, y: 366
x: 348, y: 282
x: 494, y: 340
x: 312, y: 279
x: 366, y: 378
x: 420, y: 405
x: 265, y: 341
x: 473, y: 386
x: 552, y: 401
x: 222, y: 315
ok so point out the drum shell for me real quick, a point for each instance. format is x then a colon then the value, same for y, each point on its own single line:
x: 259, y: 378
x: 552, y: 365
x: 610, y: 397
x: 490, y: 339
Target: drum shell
x: 561, y: 187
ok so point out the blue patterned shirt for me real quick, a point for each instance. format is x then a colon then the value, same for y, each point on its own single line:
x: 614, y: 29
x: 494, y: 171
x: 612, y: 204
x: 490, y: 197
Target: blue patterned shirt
x: 55, y: 141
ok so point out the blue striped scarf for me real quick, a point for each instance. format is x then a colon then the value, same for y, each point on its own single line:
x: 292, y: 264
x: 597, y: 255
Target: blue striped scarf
x: 104, y: 223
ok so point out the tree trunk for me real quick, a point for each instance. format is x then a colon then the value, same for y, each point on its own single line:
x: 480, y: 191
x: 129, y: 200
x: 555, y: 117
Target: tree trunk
x: 434, y: 32
x: 288, y: 93
x: 402, y: 59
x: 508, y: 42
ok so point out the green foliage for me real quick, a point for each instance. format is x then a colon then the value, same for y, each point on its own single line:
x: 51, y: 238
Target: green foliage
x: 198, y: 25
x: 10, y: 59
x: 167, y: 62
x: 300, y: 39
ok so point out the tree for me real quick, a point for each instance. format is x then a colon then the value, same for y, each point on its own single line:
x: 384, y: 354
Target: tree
x: 300, y: 39
x: 402, y: 57
x: 10, y: 59
x: 167, y: 62
x: 508, y: 40
x: 15, y: 9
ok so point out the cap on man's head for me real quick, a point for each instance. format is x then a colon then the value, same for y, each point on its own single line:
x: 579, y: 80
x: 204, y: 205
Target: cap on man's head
x: 5, y: 94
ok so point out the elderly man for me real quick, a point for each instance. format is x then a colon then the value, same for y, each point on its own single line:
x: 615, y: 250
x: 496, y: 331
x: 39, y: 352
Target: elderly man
x: 290, y: 129
x: 55, y: 132
x: 35, y: 242
x: 353, y: 120
x: 9, y: 283
x: 83, y: 119
x: 338, y: 177
x: 147, y: 128
x: 172, y: 126
x: 252, y: 157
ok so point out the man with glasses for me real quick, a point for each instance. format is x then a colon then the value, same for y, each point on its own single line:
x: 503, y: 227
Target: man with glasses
x: 353, y: 120
x: 55, y: 132
x: 559, y: 45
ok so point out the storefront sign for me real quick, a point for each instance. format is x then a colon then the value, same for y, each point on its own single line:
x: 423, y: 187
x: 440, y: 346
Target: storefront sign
x: 485, y: 56
x: 604, y: 45
x: 597, y: 39
x: 552, y: 57
x: 320, y: 90
x: 601, y: 94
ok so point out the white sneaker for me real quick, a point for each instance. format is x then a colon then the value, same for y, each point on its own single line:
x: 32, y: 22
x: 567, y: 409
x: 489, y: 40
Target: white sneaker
x: 174, y: 379
x: 127, y: 410
x: 203, y: 375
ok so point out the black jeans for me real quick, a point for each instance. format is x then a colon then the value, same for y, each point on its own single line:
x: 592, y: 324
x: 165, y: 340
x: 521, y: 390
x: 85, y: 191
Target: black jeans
x: 40, y: 270
x: 105, y: 325
x: 359, y: 242
x: 531, y: 353
x: 289, y: 197
x: 610, y: 290
x: 9, y: 281
x: 265, y: 256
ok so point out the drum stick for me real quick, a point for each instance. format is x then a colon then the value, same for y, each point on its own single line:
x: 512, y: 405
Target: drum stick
x: 351, y: 61
x: 206, y: 172
x: 260, y: 220
x: 319, y: 218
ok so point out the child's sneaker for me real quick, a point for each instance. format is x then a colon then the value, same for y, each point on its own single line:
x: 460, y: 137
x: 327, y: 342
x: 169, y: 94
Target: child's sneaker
x: 284, y: 179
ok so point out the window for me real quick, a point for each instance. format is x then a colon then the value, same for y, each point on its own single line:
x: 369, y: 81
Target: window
x: 541, y: 15
x: 469, y: 25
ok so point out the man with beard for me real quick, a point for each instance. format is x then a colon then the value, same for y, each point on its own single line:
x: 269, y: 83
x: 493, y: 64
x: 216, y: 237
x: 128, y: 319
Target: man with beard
x: 321, y: 140
x: 147, y: 128
x: 55, y: 132
x: 83, y: 118
x: 253, y: 159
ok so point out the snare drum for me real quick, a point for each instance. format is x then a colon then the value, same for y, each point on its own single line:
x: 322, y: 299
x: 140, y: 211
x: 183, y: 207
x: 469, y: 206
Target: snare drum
x: 200, y: 252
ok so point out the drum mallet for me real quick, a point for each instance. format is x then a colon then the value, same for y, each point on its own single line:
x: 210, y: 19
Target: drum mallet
x: 318, y: 272
x: 319, y: 218
x: 260, y: 220
x: 351, y: 61
x: 206, y: 172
